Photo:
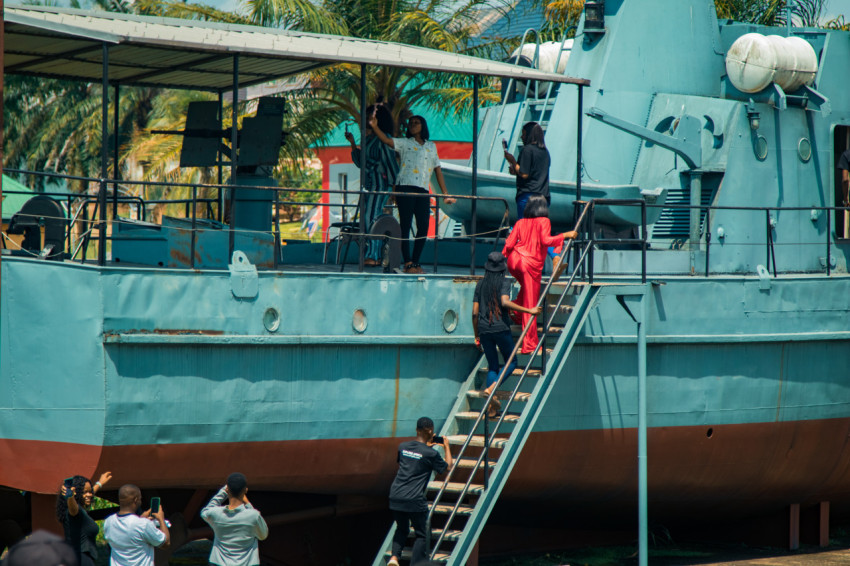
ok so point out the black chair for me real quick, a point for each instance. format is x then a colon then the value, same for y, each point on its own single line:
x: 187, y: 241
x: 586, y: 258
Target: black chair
x: 41, y: 211
x: 385, y: 228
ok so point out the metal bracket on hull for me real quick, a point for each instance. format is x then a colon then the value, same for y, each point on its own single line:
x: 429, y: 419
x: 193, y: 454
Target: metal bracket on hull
x: 243, y: 277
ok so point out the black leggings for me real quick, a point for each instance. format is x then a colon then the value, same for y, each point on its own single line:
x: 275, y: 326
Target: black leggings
x: 408, y: 207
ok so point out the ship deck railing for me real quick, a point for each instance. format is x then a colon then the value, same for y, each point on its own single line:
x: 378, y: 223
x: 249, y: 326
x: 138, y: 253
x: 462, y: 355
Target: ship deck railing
x: 85, y: 224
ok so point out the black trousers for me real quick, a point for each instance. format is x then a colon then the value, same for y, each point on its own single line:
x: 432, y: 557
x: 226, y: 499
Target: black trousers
x: 408, y: 207
x: 403, y: 520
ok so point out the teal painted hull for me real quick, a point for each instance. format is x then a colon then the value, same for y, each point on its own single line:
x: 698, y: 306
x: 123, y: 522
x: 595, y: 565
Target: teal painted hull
x: 140, y: 362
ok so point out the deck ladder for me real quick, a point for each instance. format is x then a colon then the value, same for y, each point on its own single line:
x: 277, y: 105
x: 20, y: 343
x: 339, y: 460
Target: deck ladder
x: 460, y: 504
x: 532, y: 108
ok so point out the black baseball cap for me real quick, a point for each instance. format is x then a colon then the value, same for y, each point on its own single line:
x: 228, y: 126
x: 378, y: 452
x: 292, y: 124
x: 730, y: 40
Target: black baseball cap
x: 424, y: 422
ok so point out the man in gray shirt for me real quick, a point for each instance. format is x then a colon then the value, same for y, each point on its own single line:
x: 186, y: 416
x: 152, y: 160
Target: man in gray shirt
x: 236, y: 524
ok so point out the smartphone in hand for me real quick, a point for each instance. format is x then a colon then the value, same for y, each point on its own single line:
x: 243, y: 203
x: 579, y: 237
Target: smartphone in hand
x: 505, y: 144
x: 69, y: 484
x: 154, y: 505
x: 437, y: 439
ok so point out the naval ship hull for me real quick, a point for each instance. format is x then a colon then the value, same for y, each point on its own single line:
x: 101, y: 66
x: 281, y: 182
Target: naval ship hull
x: 741, y: 419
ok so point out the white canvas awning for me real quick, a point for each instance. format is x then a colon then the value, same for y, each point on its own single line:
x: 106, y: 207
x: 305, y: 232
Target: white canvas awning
x: 166, y: 52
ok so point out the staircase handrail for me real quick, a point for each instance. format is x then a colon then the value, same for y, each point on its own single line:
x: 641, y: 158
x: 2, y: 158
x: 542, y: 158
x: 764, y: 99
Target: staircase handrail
x: 510, y: 86
x: 482, y: 414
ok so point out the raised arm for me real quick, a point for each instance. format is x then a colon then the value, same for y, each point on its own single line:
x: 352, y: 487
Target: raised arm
x: 373, y: 122
x: 70, y: 501
x: 217, y: 501
x: 448, y: 451
x: 512, y: 164
x: 102, y: 481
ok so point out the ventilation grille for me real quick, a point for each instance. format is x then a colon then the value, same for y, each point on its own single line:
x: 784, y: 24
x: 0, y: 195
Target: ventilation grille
x: 675, y: 222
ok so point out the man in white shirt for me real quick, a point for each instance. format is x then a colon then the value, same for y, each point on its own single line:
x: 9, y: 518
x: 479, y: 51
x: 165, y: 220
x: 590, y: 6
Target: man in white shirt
x: 133, y: 537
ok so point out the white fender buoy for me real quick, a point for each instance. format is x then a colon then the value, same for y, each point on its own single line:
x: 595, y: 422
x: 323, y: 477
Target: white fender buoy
x: 755, y: 60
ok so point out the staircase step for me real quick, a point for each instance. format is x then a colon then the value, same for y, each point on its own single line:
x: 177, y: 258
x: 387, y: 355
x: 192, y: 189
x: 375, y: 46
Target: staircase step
x: 517, y: 372
x: 563, y: 309
x: 456, y: 487
x: 469, y: 463
x: 516, y: 330
x: 477, y: 441
x: 446, y: 509
x: 472, y: 415
x: 500, y: 395
x: 537, y: 355
x: 407, y: 554
x: 451, y: 536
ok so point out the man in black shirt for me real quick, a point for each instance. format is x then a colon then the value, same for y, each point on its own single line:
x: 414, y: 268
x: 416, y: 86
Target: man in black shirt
x: 416, y: 460
x: 844, y: 165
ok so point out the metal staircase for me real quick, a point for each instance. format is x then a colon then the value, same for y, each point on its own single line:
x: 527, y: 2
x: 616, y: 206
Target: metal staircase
x: 460, y: 504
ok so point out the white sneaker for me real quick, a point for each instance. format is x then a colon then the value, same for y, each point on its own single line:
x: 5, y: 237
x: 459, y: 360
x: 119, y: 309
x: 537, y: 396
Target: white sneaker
x: 393, y: 561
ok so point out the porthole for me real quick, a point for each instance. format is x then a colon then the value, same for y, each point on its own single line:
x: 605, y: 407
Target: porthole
x: 804, y: 150
x: 359, y: 321
x: 271, y: 319
x: 760, y: 148
x: 449, y: 321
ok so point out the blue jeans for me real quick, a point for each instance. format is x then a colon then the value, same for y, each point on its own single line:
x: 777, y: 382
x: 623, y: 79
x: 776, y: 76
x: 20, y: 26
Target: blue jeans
x: 504, y: 341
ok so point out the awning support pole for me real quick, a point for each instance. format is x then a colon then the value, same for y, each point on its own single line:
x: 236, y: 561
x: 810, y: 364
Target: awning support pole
x: 220, y: 156
x: 104, y: 157
x: 473, y: 222
x: 234, y: 137
x: 361, y: 203
x: 115, y: 171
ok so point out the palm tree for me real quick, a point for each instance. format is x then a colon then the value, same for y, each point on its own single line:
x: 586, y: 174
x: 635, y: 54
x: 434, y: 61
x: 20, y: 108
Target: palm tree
x: 334, y: 93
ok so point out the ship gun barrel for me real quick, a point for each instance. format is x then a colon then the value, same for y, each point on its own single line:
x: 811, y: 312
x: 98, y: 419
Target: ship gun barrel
x: 685, y: 140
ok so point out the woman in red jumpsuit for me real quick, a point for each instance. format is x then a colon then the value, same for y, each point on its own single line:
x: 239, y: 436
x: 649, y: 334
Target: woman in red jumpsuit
x: 526, y: 251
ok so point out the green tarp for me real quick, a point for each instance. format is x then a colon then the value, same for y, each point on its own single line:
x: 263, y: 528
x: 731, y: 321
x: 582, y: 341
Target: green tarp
x: 12, y: 202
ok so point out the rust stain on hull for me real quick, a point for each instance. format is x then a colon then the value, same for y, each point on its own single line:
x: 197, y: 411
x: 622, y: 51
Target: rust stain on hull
x: 737, y: 469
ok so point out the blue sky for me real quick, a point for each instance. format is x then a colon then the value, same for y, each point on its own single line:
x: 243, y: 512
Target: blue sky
x: 838, y: 7
x: 833, y: 8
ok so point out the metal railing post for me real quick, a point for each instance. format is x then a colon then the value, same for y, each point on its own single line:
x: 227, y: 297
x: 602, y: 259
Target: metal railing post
x: 643, y: 243
x: 436, y: 230
x: 828, y: 230
x: 707, y: 239
x: 277, y: 235
x: 194, y: 224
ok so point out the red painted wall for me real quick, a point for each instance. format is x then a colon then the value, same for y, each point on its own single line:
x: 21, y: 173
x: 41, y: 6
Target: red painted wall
x: 336, y: 155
